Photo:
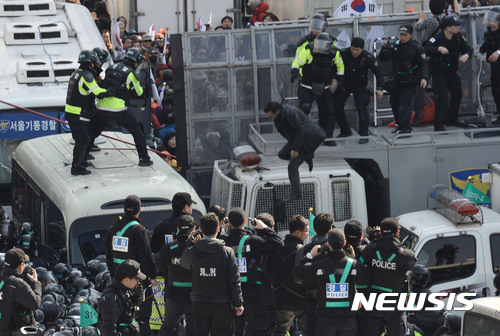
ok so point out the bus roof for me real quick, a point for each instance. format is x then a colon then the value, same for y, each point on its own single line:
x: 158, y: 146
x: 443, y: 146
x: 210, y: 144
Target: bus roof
x: 115, y: 175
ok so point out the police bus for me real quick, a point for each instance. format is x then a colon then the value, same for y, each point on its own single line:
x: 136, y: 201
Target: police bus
x: 71, y: 214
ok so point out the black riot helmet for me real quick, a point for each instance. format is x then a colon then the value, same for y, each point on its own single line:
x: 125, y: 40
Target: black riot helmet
x: 54, y: 288
x: 317, y: 23
x: 27, y: 228
x: 73, y: 275
x: 102, y: 279
x: 90, y: 266
x: 61, y: 271
x: 80, y: 284
x: 102, y: 54
x: 6, y: 228
x: 90, y: 331
x: 47, y: 278
x: 419, y: 276
x: 101, y: 258
x: 28, y: 244
x: 88, y: 57
x: 133, y: 55
x: 322, y: 44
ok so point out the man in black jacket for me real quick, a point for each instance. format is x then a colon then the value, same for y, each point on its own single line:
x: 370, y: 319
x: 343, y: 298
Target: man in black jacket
x: 357, y: 62
x: 354, y: 236
x: 216, y: 292
x: 249, y: 250
x: 120, y: 300
x: 178, y: 281
x: 303, y: 137
x: 387, y: 262
x: 447, y: 49
x: 409, y: 69
x: 289, y: 296
x: 491, y: 46
x: 339, y: 274
x: 164, y: 231
x: 19, y: 296
x: 127, y: 238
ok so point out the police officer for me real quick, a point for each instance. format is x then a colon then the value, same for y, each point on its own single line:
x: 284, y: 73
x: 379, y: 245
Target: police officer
x: 317, y: 24
x: 387, y: 262
x: 447, y: 49
x: 121, y: 77
x: 120, y: 301
x: 164, y: 231
x: 8, y: 237
x: 303, y: 137
x: 178, y: 280
x: 409, y: 69
x: 339, y: 274
x: 357, y: 62
x: 20, y: 295
x: 216, y: 292
x: 491, y: 46
x: 80, y: 106
x: 354, y: 236
x: 127, y: 238
x: 321, y: 70
x: 249, y: 250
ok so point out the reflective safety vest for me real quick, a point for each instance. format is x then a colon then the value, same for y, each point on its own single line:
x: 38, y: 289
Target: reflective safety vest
x: 121, y: 244
x: 155, y: 320
x: 250, y: 271
x: 82, y: 90
x: 386, y: 275
x: 121, y: 77
x: 178, y: 276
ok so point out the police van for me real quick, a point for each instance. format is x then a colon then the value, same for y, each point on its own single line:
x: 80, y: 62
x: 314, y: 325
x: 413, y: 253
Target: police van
x: 332, y: 187
x: 483, y: 318
x: 457, y: 240
x: 71, y: 214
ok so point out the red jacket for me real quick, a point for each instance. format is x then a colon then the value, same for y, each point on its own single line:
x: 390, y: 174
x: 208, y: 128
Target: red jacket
x: 260, y: 12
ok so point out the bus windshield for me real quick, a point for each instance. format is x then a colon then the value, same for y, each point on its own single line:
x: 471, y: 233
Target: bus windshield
x: 408, y: 238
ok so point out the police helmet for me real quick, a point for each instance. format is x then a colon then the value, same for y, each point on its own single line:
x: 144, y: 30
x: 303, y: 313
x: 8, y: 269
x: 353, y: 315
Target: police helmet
x: 317, y: 23
x: 101, y: 258
x: 50, y: 332
x: 419, y: 275
x: 71, y: 331
x: 54, y: 297
x: 47, y: 278
x: 102, y: 279
x: 27, y: 228
x: 74, y: 310
x: 73, y: 275
x: 54, y: 288
x: 492, y: 16
x: 89, y: 331
x: 39, y: 316
x: 28, y: 243
x: 322, y: 44
x: 90, y: 265
x: 79, y: 284
x: 61, y: 271
x: 102, y: 54
x: 6, y: 228
x: 133, y: 55
x: 88, y: 57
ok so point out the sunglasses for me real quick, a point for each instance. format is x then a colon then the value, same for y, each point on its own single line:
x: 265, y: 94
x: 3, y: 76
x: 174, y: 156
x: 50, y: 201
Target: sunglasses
x: 160, y: 40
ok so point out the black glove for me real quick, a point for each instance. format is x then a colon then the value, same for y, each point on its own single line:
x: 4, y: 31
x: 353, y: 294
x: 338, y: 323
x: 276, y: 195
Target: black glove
x: 108, y: 93
x: 294, y: 74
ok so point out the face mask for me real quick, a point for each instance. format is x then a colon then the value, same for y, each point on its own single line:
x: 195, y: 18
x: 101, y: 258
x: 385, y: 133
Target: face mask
x: 153, y: 59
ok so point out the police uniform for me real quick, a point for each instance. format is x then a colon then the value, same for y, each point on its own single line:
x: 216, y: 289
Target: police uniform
x: 491, y: 45
x: 164, y: 231
x: 356, y: 80
x: 387, y: 262
x: 317, y: 70
x: 19, y: 296
x: 216, y: 286
x: 178, y: 280
x: 121, y: 77
x: 127, y: 238
x: 79, y: 109
x: 409, y: 67
x: 444, y: 73
x: 118, y: 305
x: 335, y: 277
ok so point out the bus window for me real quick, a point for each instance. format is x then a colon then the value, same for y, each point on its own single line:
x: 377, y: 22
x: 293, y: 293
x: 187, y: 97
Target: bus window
x: 55, y: 234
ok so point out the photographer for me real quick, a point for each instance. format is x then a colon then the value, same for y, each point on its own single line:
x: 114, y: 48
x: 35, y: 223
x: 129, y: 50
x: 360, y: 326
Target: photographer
x: 20, y: 293
x: 178, y: 282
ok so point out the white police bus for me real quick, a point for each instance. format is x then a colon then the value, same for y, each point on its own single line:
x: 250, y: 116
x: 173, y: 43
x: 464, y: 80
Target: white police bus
x: 71, y: 214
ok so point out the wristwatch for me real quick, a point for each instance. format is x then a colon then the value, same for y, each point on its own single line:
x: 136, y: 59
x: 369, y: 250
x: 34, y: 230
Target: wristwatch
x: 309, y: 255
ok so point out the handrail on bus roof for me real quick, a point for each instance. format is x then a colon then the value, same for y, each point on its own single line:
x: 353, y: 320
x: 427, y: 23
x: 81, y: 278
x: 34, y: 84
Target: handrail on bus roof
x: 145, y: 201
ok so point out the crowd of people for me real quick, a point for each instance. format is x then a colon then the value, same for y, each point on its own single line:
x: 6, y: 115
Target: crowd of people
x: 224, y: 275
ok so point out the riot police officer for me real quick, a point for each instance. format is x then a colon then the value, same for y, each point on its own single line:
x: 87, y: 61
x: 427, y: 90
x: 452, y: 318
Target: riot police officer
x: 447, y: 49
x: 321, y: 70
x: 409, y: 69
x: 491, y: 46
x: 357, y: 62
x: 339, y: 273
x: 216, y: 292
x: 317, y: 24
x: 178, y: 280
x: 121, y: 77
x: 120, y: 300
x: 387, y: 262
x: 127, y: 238
x: 80, y: 106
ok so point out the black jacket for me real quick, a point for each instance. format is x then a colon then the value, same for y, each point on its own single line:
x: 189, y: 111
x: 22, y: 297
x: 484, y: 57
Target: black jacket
x: 456, y: 46
x: 265, y: 241
x: 178, y: 280
x: 409, y: 62
x: 19, y: 298
x: 491, y: 44
x: 387, y: 262
x: 356, y: 69
x: 216, y: 278
x: 334, y: 268
x: 301, y: 133
x: 138, y: 248
x: 168, y: 226
x: 299, y: 260
x: 287, y: 293
x: 117, y: 310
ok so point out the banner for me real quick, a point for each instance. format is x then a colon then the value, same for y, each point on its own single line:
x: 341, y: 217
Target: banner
x: 357, y: 8
x: 116, y: 41
x: 27, y: 125
x: 88, y: 315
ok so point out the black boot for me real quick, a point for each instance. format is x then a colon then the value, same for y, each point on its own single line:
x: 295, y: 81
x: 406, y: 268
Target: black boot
x: 309, y: 161
x: 79, y: 170
x: 145, y: 162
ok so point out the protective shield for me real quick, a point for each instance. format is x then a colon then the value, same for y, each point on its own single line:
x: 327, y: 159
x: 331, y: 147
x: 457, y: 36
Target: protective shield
x: 317, y: 25
x: 492, y: 16
x: 322, y: 46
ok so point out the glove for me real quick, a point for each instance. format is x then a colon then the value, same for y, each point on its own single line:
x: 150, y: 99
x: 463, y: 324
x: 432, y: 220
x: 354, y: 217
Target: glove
x: 108, y: 93
x: 294, y: 74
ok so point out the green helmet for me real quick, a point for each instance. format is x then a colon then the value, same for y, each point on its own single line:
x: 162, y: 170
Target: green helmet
x: 87, y: 57
x: 102, y: 54
x: 134, y: 55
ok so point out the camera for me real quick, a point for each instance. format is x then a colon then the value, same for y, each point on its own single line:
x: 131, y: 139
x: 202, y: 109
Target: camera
x: 251, y: 221
x: 194, y: 235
